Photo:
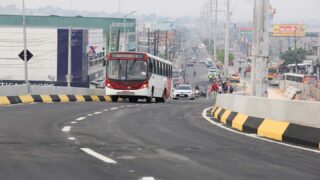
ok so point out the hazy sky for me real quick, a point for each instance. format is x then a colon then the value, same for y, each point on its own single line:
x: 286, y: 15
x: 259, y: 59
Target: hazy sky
x: 242, y: 9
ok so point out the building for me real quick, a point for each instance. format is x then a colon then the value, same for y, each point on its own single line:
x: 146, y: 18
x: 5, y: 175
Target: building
x: 47, y: 40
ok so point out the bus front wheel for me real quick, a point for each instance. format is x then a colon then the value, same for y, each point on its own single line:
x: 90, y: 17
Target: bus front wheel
x: 114, y: 98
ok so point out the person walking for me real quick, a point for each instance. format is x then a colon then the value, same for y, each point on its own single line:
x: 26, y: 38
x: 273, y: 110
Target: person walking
x: 214, y: 90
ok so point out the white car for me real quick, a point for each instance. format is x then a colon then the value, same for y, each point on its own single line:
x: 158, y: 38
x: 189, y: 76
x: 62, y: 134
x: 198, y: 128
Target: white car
x: 183, y: 91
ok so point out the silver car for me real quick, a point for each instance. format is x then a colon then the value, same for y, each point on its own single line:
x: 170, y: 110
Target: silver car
x: 183, y: 91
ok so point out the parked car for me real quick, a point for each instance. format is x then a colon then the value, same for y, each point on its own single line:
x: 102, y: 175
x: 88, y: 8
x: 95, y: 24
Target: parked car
x: 183, y: 91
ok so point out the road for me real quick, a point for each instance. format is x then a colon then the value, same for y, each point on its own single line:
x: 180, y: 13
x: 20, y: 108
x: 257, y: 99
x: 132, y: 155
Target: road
x: 121, y: 141
x: 164, y: 141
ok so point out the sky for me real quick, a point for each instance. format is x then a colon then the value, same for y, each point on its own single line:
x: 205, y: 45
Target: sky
x: 298, y: 10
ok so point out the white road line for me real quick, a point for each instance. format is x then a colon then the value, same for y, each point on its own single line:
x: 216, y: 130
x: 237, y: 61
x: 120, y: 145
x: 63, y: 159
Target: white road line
x: 106, y: 110
x: 115, y: 108
x: 98, y: 112
x: 98, y: 156
x: 66, y: 129
x: 204, y: 112
x: 73, y: 122
x: 80, y: 118
x: 71, y: 138
x: 129, y: 105
x: 89, y: 114
x: 122, y: 106
x: 147, y: 178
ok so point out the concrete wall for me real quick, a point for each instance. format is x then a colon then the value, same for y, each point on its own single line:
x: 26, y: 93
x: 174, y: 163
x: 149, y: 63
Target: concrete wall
x: 42, y: 43
x: 298, y: 112
x: 43, y: 90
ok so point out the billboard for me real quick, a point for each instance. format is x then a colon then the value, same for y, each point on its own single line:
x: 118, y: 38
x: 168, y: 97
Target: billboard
x: 288, y: 30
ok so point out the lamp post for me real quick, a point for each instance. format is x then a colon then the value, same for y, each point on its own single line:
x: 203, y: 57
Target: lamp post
x: 25, y: 45
x: 124, y: 29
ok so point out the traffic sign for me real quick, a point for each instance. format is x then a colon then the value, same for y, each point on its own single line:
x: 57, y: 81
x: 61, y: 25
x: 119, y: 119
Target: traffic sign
x: 29, y: 55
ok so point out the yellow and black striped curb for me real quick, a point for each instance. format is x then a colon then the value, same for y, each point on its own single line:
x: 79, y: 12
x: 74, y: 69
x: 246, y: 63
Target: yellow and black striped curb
x: 6, y: 100
x: 276, y: 130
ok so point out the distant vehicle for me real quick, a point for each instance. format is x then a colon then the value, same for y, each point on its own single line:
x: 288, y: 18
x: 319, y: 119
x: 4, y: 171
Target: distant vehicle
x: 190, y: 64
x: 183, y: 91
x: 274, y: 82
x: 299, y: 78
x: 135, y: 76
x: 177, y: 77
x: 272, y: 73
x: 209, y: 63
x: 235, y: 78
x: 213, y: 71
x: 202, y: 91
x: 203, y: 61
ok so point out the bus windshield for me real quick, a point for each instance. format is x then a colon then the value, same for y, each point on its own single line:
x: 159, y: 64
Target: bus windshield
x: 127, y: 70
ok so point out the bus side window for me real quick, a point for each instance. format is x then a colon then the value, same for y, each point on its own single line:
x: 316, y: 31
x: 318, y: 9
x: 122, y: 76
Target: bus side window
x: 160, y: 69
x: 150, y: 65
x: 167, y: 70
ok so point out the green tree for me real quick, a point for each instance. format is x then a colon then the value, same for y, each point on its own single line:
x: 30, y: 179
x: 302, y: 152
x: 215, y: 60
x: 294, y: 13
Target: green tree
x: 293, y: 56
x: 220, y: 56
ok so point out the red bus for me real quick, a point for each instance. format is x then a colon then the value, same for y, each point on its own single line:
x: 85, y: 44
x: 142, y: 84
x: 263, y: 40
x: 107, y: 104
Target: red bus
x: 135, y: 76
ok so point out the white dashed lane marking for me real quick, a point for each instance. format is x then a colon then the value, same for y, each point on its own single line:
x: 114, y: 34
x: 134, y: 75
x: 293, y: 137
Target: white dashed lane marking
x: 73, y: 122
x: 71, y: 138
x: 66, y: 129
x: 89, y: 114
x: 147, y: 178
x: 99, y: 156
x: 115, y: 108
x: 80, y: 118
x: 122, y: 106
x: 97, y: 112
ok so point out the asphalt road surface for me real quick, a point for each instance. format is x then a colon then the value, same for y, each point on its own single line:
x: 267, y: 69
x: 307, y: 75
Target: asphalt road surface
x: 122, y: 141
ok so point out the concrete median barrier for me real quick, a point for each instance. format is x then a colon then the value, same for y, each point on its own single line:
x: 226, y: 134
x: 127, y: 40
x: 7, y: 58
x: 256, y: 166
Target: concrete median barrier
x: 271, y: 129
x: 27, y: 99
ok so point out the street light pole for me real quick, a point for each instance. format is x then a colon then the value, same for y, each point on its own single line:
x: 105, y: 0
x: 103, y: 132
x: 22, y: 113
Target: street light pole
x: 124, y: 29
x: 25, y: 45
x: 226, y: 43
x: 124, y: 34
x: 215, y: 32
x: 69, y: 77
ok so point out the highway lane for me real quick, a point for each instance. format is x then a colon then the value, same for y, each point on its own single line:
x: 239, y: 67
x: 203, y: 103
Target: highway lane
x: 32, y: 145
x: 164, y: 141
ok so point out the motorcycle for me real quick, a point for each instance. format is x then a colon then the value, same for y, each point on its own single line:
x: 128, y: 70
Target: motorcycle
x: 196, y: 93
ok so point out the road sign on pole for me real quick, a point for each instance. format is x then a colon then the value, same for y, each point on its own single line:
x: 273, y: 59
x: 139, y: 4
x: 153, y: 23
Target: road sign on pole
x: 29, y: 55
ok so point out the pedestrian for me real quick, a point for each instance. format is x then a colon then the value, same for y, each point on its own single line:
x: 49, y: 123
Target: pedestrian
x: 231, y: 89
x: 214, y: 90
x: 225, y: 87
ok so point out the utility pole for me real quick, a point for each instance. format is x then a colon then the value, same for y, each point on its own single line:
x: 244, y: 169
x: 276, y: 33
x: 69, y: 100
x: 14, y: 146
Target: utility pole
x: 25, y: 46
x: 210, y: 26
x: 215, y: 32
x: 167, y: 56
x: 295, y: 49
x: 154, y: 43
x: 226, y: 42
x: 69, y: 77
x: 148, y: 40
x: 318, y: 68
x: 260, y: 49
x: 124, y: 29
